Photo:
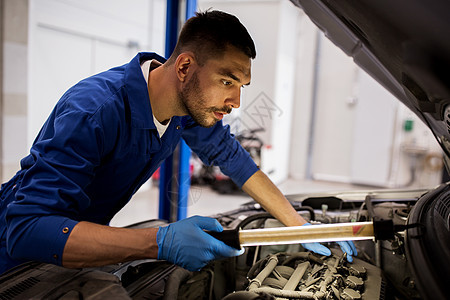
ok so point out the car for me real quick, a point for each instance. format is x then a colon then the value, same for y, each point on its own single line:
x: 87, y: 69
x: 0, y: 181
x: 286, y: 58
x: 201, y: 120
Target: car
x: 404, y: 46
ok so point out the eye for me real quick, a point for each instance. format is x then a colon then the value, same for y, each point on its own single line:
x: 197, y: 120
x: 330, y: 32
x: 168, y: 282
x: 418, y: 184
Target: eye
x: 226, y: 82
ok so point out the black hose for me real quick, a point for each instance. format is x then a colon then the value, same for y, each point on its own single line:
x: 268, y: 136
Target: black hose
x: 369, y: 206
x: 178, y: 276
x: 266, y: 215
x: 304, y: 255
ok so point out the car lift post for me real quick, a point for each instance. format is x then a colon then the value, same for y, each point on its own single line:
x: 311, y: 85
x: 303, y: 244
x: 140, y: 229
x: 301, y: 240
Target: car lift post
x: 174, y: 177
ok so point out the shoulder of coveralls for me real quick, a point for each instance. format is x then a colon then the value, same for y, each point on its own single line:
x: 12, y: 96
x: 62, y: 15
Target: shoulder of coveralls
x: 91, y: 93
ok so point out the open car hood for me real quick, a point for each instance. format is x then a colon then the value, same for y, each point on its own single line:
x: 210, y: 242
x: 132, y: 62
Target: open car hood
x: 404, y: 45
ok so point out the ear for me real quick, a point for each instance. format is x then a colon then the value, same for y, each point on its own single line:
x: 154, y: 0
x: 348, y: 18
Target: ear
x: 184, y: 64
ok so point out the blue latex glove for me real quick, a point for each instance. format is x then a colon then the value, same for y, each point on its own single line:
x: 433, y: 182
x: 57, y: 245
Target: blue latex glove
x: 184, y: 243
x: 346, y: 246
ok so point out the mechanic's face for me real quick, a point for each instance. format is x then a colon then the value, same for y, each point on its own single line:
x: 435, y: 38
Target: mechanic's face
x: 215, y: 88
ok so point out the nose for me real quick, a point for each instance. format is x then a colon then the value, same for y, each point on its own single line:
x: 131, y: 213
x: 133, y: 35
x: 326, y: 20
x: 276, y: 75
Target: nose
x: 234, y: 99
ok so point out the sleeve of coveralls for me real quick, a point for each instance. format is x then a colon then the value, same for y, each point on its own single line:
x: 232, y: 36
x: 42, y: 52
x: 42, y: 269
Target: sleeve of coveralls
x: 45, y: 211
x: 217, y: 146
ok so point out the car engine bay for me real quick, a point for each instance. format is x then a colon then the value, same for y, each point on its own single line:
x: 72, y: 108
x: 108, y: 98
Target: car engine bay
x: 381, y: 270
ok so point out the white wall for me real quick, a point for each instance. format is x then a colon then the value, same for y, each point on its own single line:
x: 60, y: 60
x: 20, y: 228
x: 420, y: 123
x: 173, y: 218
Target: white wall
x: 374, y: 132
x: 303, y: 106
x: 358, y: 130
x: 277, y: 158
x: 14, y: 91
x: 417, y: 148
x: 70, y: 40
x: 334, y: 119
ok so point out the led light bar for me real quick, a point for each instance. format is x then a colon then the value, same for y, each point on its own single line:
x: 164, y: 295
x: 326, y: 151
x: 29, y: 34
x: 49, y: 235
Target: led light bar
x: 378, y: 230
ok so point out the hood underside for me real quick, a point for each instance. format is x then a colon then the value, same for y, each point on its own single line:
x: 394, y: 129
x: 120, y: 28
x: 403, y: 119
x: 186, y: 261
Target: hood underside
x: 404, y: 45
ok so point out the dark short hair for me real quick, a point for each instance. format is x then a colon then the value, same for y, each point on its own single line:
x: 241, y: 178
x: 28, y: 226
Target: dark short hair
x: 209, y: 33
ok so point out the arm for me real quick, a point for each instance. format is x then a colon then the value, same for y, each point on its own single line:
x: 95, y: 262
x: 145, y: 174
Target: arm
x: 183, y: 243
x: 91, y: 245
x: 217, y: 146
x: 262, y: 189
x: 50, y: 196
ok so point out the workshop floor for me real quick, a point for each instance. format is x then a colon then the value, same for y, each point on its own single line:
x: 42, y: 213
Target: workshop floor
x: 205, y: 201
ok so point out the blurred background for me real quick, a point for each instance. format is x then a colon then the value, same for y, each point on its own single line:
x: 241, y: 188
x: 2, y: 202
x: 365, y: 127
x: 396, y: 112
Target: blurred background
x: 311, y: 118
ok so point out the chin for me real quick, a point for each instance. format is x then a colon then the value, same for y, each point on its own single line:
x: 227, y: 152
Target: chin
x: 208, y: 125
x: 205, y: 122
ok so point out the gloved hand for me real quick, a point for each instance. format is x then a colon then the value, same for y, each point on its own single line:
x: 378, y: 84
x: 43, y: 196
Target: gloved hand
x: 184, y: 243
x: 346, y: 246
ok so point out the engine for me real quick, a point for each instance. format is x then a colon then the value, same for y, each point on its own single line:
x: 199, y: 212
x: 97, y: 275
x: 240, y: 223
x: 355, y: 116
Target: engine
x: 381, y: 270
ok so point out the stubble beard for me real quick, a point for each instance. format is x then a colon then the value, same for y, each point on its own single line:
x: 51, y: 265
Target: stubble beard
x: 195, y: 104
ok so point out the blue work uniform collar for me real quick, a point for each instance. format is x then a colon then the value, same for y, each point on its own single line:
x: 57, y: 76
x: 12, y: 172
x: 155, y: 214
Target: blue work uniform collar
x: 139, y: 101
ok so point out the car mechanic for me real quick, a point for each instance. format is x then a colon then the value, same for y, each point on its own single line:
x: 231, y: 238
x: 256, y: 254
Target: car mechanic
x: 110, y: 132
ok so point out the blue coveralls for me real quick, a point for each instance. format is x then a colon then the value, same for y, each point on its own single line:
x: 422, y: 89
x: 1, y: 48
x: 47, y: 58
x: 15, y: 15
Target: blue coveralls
x: 96, y: 149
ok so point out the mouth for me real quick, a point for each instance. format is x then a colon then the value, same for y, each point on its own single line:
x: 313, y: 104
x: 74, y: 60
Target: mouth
x: 218, y: 115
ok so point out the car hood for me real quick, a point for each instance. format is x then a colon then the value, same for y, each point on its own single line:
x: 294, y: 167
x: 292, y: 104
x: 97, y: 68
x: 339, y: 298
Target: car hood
x: 404, y: 45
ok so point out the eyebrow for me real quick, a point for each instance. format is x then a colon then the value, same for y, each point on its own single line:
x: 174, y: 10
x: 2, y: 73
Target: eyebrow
x: 230, y: 74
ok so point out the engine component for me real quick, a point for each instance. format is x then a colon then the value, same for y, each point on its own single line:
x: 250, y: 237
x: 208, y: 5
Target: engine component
x: 303, y: 275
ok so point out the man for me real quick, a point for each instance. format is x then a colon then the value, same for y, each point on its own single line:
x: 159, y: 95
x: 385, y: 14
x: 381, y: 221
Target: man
x: 110, y: 132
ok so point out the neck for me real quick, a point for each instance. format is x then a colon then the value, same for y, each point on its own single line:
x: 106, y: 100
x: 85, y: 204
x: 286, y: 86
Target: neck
x: 163, y: 94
